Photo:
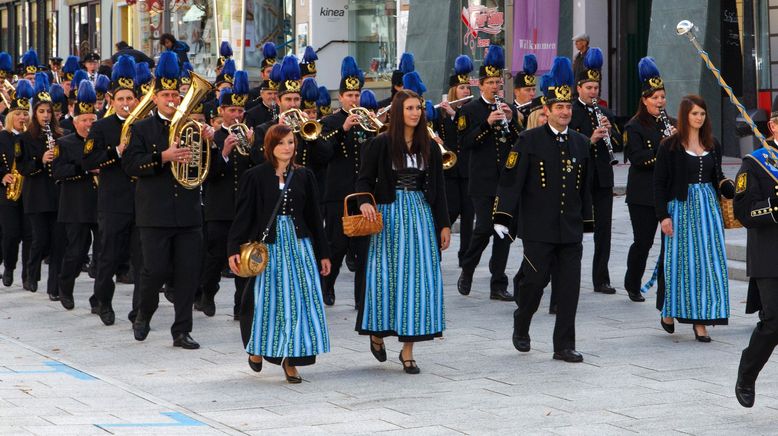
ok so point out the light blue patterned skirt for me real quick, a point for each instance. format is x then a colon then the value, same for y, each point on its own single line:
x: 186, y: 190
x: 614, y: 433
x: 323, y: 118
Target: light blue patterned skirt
x: 404, y: 285
x: 695, y: 261
x: 289, y: 318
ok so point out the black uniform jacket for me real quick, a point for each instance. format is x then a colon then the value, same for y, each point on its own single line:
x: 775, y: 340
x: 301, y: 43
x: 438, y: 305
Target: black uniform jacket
x: 258, y: 114
x: 10, y: 147
x: 221, y: 185
x: 544, y: 193
x: 78, y: 193
x: 670, y: 178
x: 487, y: 152
x: 66, y: 124
x: 160, y: 201
x: 347, y: 147
x: 585, y: 122
x: 116, y: 192
x: 39, y: 191
x: 640, y: 146
x: 257, y: 197
x: 376, y: 176
x: 446, y: 128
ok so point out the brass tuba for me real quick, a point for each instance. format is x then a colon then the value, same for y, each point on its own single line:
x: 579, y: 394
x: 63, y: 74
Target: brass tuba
x: 241, y: 131
x: 367, y: 121
x: 141, y: 111
x: 449, y: 157
x: 296, y: 119
x: 187, y: 132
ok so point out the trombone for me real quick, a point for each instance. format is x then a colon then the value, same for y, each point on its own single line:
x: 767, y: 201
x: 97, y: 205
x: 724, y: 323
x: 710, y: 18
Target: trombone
x: 449, y: 157
x: 296, y: 119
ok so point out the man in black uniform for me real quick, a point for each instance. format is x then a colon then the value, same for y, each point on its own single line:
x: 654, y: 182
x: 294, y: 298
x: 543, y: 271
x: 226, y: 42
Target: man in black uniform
x: 486, y: 130
x: 524, y: 83
x: 347, y: 138
x: 220, y: 189
x: 115, y: 193
x: 223, y: 81
x: 586, y: 122
x: 406, y: 66
x: 756, y: 207
x: 266, y: 108
x: 544, y: 197
x: 168, y: 216
x: 269, y: 54
x: 78, y: 192
x: 67, y: 120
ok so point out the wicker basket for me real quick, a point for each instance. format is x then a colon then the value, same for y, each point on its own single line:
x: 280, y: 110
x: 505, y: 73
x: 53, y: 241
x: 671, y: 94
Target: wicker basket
x: 728, y: 213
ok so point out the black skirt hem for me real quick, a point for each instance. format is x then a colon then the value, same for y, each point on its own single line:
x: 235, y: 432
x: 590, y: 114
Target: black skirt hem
x: 388, y: 333
x: 719, y: 321
x: 294, y: 361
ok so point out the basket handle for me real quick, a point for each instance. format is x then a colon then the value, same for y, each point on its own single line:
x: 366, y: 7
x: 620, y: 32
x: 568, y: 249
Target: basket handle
x: 355, y: 195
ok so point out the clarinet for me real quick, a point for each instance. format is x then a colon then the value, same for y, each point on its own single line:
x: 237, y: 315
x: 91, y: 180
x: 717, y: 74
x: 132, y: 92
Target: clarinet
x: 504, y: 129
x: 606, y: 138
x: 668, y: 127
x: 51, y: 144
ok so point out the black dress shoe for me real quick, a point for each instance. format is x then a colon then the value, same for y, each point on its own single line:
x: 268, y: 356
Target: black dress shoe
x: 125, y: 278
x: 380, y: 353
x: 255, y: 366
x: 552, y: 308
x: 409, y: 366
x: 107, y: 316
x: 208, y: 306
x: 185, y: 341
x: 34, y: 287
x: 521, y: 343
x: 464, y: 283
x: 636, y: 296
x: 568, y: 355
x: 329, y: 298
x: 95, y: 310
x: 92, y: 270
x: 53, y: 297
x: 140, y: 329
x: 8, y: 277
x: 701, y: 338
x: 501, y: 295
x: 669, y: 328
x: 67, y: 302
x: 605, y: 288
x: 351, y: 263
x: 745, y: 394
x: 170, y: 295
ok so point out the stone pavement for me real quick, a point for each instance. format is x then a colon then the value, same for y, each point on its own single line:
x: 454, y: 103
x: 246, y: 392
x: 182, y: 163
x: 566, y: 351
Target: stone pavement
x: 65, y: 373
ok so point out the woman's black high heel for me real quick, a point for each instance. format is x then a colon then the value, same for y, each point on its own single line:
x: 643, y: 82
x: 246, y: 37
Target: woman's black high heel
x: 700, y: 338
x: 255, y: 366
x: 412, y: 368
x: 293, y: 379
x: 669, y: 328
x: 380, y: 354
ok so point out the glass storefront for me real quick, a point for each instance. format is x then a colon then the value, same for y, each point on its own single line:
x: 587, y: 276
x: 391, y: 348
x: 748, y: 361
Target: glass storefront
x: 373, y: 36
x: 85, y: 28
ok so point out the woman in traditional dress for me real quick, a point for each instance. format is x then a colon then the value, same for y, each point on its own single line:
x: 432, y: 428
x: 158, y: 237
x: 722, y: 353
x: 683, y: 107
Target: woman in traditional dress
x: 404, y: 287
x: 288, y: 327
x: 687, y: 183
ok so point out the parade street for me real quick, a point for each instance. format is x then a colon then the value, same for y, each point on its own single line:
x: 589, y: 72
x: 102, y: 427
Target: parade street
x: 64, y: 373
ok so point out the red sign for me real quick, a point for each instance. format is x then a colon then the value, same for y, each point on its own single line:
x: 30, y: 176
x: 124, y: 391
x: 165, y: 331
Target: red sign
x: 479, y: 18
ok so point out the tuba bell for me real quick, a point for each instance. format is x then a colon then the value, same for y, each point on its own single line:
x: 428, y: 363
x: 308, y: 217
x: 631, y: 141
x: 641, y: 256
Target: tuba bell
x: 141, y: 111
x: 186, y: 131
x: 296, y: 119
x: 367, y: 121
x: 241, y: 131
x: 449, y: 157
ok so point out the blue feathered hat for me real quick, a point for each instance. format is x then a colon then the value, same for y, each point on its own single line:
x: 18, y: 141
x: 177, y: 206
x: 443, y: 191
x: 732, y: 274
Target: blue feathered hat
x: 238, y: 94
x: 324, y: 102
x: 412, y: 81
x: 23, y: 96
x: 560, y: 81
x: 526, y: 77
x: 225, y: 52
x: 592, y: 65
x: 351, y: 77
x: 167, y: 74
x: 463, y: 66
x: 70, y: 67
x: 59, y: 100
x: 6, y: 65
x: 85, y: 99
x: 123, y: 74
x: 650, y: 79
x: 186, y: 79
x: 102, y: 84
x: 494, y: 62
x: 406, y: 65
x: 79, y: 76
x: 308, y: 64
x: 41, y: 89
x: 227, y: 74
x: 269, y: 54
x: 30, y: 62
x: 309, y: 93
x: 290, y: 71
x: 430, y: 112
x: 144, y: 81
x: 274, y: 79
x: 367, y: 100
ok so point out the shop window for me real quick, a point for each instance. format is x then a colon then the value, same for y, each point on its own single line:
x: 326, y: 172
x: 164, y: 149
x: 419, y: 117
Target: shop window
x: 4, y: 42
x: 85, y: 28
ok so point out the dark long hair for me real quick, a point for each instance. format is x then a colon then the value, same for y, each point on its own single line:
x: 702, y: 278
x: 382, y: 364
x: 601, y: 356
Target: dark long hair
x: 36, y: 130
x: 167, y: 37
x: 684, y: 130
x: 421, y: 140
x: 642, y: 115
x: 273, y: 137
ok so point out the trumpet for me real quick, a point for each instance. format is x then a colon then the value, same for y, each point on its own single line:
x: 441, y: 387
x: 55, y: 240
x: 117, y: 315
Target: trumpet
x: 367, y: 121
x: 296, y: 119
x: 241, y: 131
x: 449, y: 157
x: 668, y: 127
x: 457, y: 102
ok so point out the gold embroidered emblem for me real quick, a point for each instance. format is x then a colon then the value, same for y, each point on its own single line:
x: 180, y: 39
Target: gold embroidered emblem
x: 563, y: 93
x: 352, y: 83
x: 44, y: 96
x: 461, y: 123
x: 309, y: 104
x: 742, y: 180
x: 513, y: 157
x: 168, y: 84
x: 463, y: 79
x: 492, y: 71
x: 272, y: 85
x: 89, y: 145
x: 292, y: 85
x: 530, y: 80
x: 126, y: 82
x: 270, y: 61
x: 593, y: 75
x: 17, y: 149
x: 311, y: 67
x: 23, y: 103
x: 656, y: 82
x: 325, y: 110
x: 239, y: 99
x: 31, y: 69
x: 86, y: 108
x: 146, y: 87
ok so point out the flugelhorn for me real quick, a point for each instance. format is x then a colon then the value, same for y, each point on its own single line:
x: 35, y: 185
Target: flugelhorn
x: 187, y: 132
x: 296, y: 119
x: 457, y: 102
x: 367, y: 121
x: 241, y: 132
x: 449, y: 157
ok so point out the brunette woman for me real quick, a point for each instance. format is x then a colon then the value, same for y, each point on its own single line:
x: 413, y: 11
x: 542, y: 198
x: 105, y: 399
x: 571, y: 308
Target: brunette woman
x: 404, y: 287
x: 282, y: 314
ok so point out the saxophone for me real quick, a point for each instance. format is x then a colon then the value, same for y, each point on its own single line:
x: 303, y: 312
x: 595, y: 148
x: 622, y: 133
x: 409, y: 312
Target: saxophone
x: 13, y: 191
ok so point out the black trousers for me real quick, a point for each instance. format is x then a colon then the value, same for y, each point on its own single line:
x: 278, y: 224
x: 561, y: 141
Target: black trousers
x: 78, y: 237
x: 644, y: 225
x: 602, y: 202
x: 16, y: 228
x: 765, y: 336
x: 340, y: 246
x: 539, y: 258
x: 460, y: 206
x: 119, y: 239
x: 483, y: 230
x: 48, y: 237
x: 215, y: 257
x: 170, y: 252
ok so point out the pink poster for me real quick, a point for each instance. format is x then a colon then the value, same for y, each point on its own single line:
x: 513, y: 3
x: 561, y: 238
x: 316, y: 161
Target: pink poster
x: 535, y: 30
